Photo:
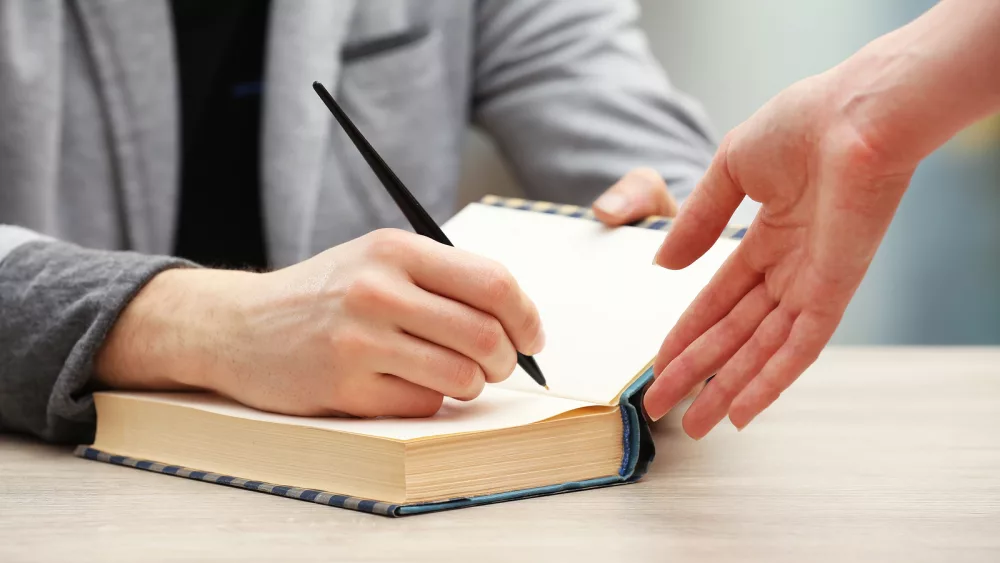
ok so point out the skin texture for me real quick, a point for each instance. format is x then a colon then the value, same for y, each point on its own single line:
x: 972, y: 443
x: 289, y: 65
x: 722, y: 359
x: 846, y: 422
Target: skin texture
x: 829, y: 160
x: 385, y: 325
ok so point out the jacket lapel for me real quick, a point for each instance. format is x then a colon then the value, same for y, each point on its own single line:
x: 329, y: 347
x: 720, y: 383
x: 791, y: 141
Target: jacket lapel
x: 304, y: 40
x: 132, y: 49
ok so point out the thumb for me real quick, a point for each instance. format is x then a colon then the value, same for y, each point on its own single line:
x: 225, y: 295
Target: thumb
x: 639, y: 194
x: 705, y: 215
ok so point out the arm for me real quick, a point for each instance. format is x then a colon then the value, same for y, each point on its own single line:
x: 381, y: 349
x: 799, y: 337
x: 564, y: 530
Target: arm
x: 574, y: 99
x: 829, y: 159
x: 910, y: 91
x: 385, y: 325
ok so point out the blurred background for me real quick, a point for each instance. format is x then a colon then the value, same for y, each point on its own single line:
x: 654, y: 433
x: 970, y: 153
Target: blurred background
x: 936, y: 277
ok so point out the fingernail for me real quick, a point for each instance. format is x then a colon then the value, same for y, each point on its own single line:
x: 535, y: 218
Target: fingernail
x: 612, y: 204
x: 740, y: 427
x: 659, y: 251
x: 694, y: 436
x: 653, y: 417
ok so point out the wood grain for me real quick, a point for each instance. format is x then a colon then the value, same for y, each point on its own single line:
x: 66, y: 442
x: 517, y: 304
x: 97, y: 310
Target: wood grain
x: 874, y: 455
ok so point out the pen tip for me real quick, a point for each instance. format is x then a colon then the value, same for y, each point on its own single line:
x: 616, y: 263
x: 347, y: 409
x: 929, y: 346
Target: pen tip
x: 546, y: 387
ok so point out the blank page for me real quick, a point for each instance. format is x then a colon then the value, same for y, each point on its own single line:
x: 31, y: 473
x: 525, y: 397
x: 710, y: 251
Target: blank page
x: 604, y: 306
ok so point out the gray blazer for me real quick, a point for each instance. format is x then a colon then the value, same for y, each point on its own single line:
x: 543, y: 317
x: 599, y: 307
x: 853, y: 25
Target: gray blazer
x: 567, y: 89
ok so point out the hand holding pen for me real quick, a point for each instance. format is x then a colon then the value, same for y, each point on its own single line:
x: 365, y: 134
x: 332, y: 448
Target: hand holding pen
x: 421, y: 221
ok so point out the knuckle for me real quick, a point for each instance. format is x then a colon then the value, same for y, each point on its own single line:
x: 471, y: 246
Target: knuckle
x: 489, y: 336
x: 683, y: 367
x: 727, y: 387
x: 389, y: 244
x: 499, y: 284
x: 467, y: 375
x: 531, y: 325
x: 368, y: 293
x: 728, y: 143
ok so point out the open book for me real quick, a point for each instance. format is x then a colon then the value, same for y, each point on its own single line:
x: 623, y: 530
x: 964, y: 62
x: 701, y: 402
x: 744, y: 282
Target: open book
x: 605, y: 309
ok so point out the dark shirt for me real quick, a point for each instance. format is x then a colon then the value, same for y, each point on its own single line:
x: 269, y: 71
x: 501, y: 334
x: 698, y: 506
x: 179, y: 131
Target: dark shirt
x: 220, y: 47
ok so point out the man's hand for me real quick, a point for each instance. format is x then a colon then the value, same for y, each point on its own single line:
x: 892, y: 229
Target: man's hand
x: 387, y: 324
x: 639, y: 194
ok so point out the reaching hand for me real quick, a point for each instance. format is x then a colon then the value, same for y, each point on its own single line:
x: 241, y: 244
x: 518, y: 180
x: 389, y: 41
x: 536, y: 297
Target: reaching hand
x: 827, y: 199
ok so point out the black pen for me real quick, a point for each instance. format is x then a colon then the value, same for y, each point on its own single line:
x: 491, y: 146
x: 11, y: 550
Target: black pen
x: 422, y: 222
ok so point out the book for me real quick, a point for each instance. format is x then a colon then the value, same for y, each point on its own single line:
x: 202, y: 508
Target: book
x: 605, y: 308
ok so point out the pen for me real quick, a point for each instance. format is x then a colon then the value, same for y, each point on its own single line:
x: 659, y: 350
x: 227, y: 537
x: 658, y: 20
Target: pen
x: 421, y: 221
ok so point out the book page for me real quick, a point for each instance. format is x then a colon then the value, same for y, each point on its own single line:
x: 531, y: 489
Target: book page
x: 495, y: 409
x: 605, y: 307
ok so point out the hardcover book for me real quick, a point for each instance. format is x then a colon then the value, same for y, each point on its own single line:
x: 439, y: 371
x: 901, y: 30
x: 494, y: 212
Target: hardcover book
x: 605, y: 308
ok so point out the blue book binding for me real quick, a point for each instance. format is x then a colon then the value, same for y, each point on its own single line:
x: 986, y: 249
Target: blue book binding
x: 638, y: 448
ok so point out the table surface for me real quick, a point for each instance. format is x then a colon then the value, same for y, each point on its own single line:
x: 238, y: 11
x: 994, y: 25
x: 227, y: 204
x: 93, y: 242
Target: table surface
x: 874, y: 454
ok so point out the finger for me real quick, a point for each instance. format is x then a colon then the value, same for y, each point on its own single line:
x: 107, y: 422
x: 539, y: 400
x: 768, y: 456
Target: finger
x: 639, y: 194
x: 704, y: 216
x: 388, y: 395
x: 458, y: 327
x: 809, y: 335
x: 708, y: 353
x: 725, y: 290
x: 713, y: 402
x: 429, y: 365
x: 479, y: 283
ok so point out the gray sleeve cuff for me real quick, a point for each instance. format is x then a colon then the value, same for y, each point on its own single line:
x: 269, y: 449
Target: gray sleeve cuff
x: 12, y: 237
x: 59, y: 301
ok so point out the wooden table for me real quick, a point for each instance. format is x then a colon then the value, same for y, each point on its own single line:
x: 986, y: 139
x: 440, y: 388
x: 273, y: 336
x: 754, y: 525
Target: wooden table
x: 874, y: 455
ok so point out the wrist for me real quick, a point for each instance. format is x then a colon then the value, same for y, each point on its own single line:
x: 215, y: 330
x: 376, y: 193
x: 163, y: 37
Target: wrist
x: 168, y: 336
x: 870, y: 93
x: 908, y: 92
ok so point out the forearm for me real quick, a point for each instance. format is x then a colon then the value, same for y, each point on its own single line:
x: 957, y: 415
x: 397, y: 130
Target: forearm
x: 911, y: 90
x: 169, y: 337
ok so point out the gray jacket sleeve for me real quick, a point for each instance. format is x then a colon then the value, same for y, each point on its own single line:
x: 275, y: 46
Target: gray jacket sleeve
x: 57, y: 303
x: 579, y: 76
